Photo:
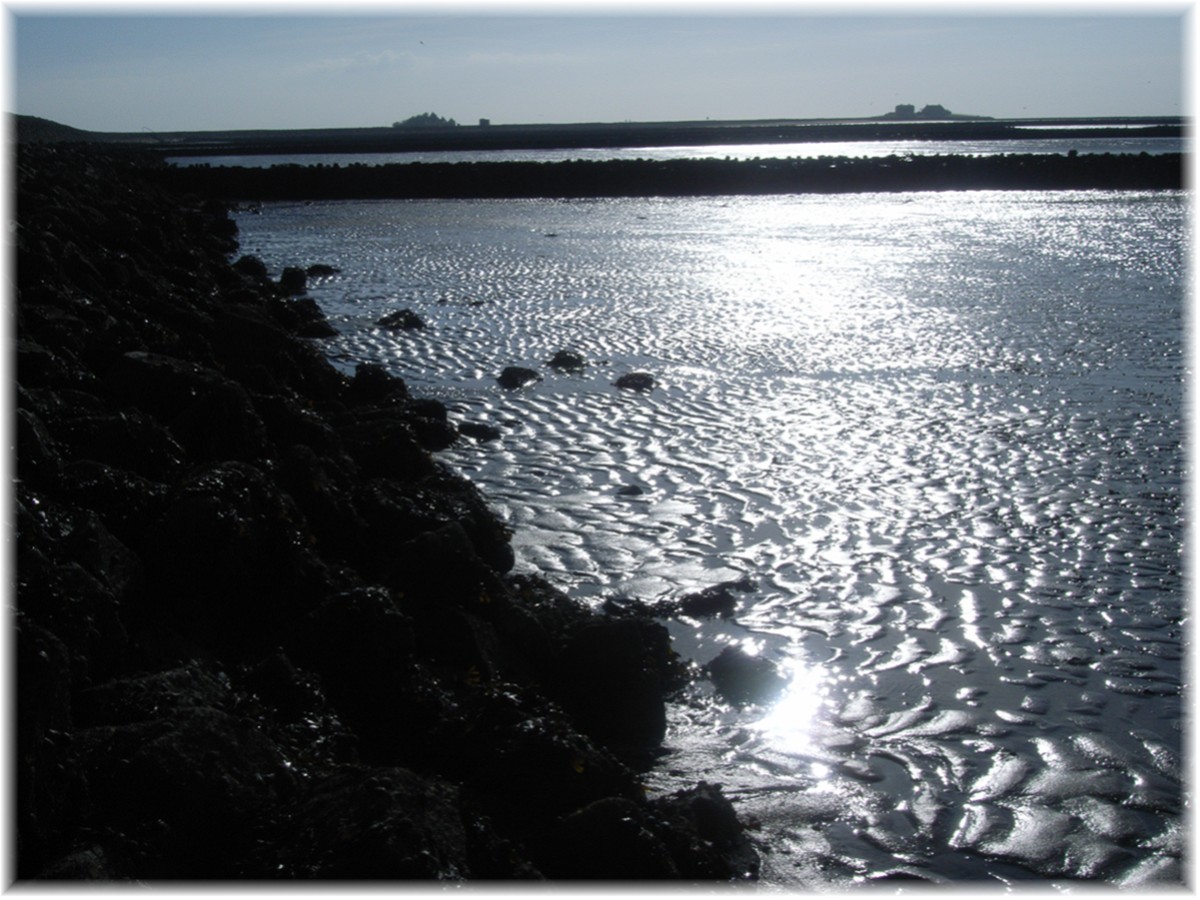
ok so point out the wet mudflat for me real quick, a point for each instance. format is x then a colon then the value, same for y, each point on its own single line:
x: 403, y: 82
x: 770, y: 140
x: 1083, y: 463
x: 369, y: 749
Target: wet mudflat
x: 940, y: 434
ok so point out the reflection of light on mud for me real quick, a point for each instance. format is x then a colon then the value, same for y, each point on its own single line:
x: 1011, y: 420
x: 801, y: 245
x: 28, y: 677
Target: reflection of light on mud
x: 790, y: 724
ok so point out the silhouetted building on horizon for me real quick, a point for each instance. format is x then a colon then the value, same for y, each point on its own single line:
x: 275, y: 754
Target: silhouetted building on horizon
x: 929, y: 111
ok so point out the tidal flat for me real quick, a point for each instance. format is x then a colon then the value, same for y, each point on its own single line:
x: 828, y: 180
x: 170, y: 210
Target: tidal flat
x: 907, y: 462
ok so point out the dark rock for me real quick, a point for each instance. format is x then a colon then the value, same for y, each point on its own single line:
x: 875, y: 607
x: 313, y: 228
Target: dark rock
x: 293, y: 281
x: 376, y: 823
x: 258, y: 351
x: 431, y: 425
x: 635, y: 381
x: 289, y: 422
x: 40, y: 367
x: 89, y: 864
x: 363, y: 648
x: 530, y: 766
x: 37, y: 452
x: 514, y: 377
x: 372, y: 383
x: 613, y: 838
x: 306, y: 319
x: 630, y: 490
x: 386, y: 446
x: 401, y: 320
x: 73, y: 578
x: 127, y: 504
x: 322, y: 485
x: 189, y: 688
x: 252, y: 267
x: 277, y: 682
x: 182, y: 774
x: 704, y: 835
x: 461, y: 501
x: 211, y: 416
x: 126, y: 439
x: 566, y: 361
x: 480, y: 431
x: 718, y: 600
x: 440, y: 563
x: 222, y: 424
x: 317, y: 270
x: 743, y: 679
x: 229, y: 561
x: 161, y: 385
x: 614, y: 679
x: 393, y: 512
x: 692, y: 834
x: 40, y: 753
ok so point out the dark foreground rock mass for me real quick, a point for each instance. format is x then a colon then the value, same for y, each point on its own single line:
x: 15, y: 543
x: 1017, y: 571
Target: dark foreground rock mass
x: 261, y: 632
x: 683, y: 177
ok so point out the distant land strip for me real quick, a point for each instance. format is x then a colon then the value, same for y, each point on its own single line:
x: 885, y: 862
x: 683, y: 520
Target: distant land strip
x: 599, y: 134
x: 678, y: 178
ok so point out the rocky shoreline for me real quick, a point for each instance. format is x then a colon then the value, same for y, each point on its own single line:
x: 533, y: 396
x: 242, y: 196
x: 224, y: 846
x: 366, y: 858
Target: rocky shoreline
x: 261, y: 632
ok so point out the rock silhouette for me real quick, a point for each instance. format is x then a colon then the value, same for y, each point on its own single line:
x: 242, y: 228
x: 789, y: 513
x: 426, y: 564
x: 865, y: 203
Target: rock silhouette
x: 682, y: 177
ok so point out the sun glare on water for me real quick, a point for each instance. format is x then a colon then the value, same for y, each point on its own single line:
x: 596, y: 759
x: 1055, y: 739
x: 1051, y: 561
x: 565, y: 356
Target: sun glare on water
x: 792, y: 724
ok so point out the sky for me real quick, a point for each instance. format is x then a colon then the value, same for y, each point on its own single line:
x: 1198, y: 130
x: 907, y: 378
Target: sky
x: 175, y: 68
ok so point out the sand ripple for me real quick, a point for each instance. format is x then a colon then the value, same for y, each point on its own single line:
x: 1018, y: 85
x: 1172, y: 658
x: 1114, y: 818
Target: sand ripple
x: 942, y: 432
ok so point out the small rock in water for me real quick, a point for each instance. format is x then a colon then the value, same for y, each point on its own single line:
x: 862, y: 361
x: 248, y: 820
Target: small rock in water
x: 514, y: 377
x: 318, y: 269
x: 479, y: 431
x: 630, y: 490
x: 566, y: 361
x: 403, y: 319
x: 636, y: 381
x: 743, y: 679
x: 717, y: 600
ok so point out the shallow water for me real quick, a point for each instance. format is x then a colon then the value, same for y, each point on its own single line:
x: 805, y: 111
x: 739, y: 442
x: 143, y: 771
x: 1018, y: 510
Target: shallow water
x: 941, y: 431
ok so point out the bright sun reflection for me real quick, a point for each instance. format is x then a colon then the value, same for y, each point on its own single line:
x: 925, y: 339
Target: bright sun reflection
x: 790, y: 725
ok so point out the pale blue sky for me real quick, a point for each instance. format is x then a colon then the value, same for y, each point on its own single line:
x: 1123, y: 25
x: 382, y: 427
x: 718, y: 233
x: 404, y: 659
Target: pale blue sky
x: 172, y: 72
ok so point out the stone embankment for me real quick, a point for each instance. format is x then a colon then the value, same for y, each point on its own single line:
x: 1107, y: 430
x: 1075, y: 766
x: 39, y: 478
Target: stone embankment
x: 261, y: 632
x: 681, y: 177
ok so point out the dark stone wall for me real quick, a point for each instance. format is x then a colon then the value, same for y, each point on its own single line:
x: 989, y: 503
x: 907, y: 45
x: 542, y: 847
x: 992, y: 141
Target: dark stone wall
x: 682, y: 178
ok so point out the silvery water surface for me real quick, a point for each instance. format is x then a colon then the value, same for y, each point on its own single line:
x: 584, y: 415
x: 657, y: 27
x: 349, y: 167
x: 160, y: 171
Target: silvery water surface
x: 941, y: 431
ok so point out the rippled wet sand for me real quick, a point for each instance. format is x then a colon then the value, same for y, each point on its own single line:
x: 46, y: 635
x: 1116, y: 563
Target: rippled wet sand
x: 941, y: 432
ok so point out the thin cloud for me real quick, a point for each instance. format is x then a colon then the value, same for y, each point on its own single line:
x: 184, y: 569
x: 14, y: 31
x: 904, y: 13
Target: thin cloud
x: 479, y: 58
x: 362, y: 59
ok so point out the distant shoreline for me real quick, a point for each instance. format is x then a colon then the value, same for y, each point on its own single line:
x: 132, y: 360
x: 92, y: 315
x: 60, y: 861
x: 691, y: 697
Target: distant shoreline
x: 574, y: 136
x: 678, y: 178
